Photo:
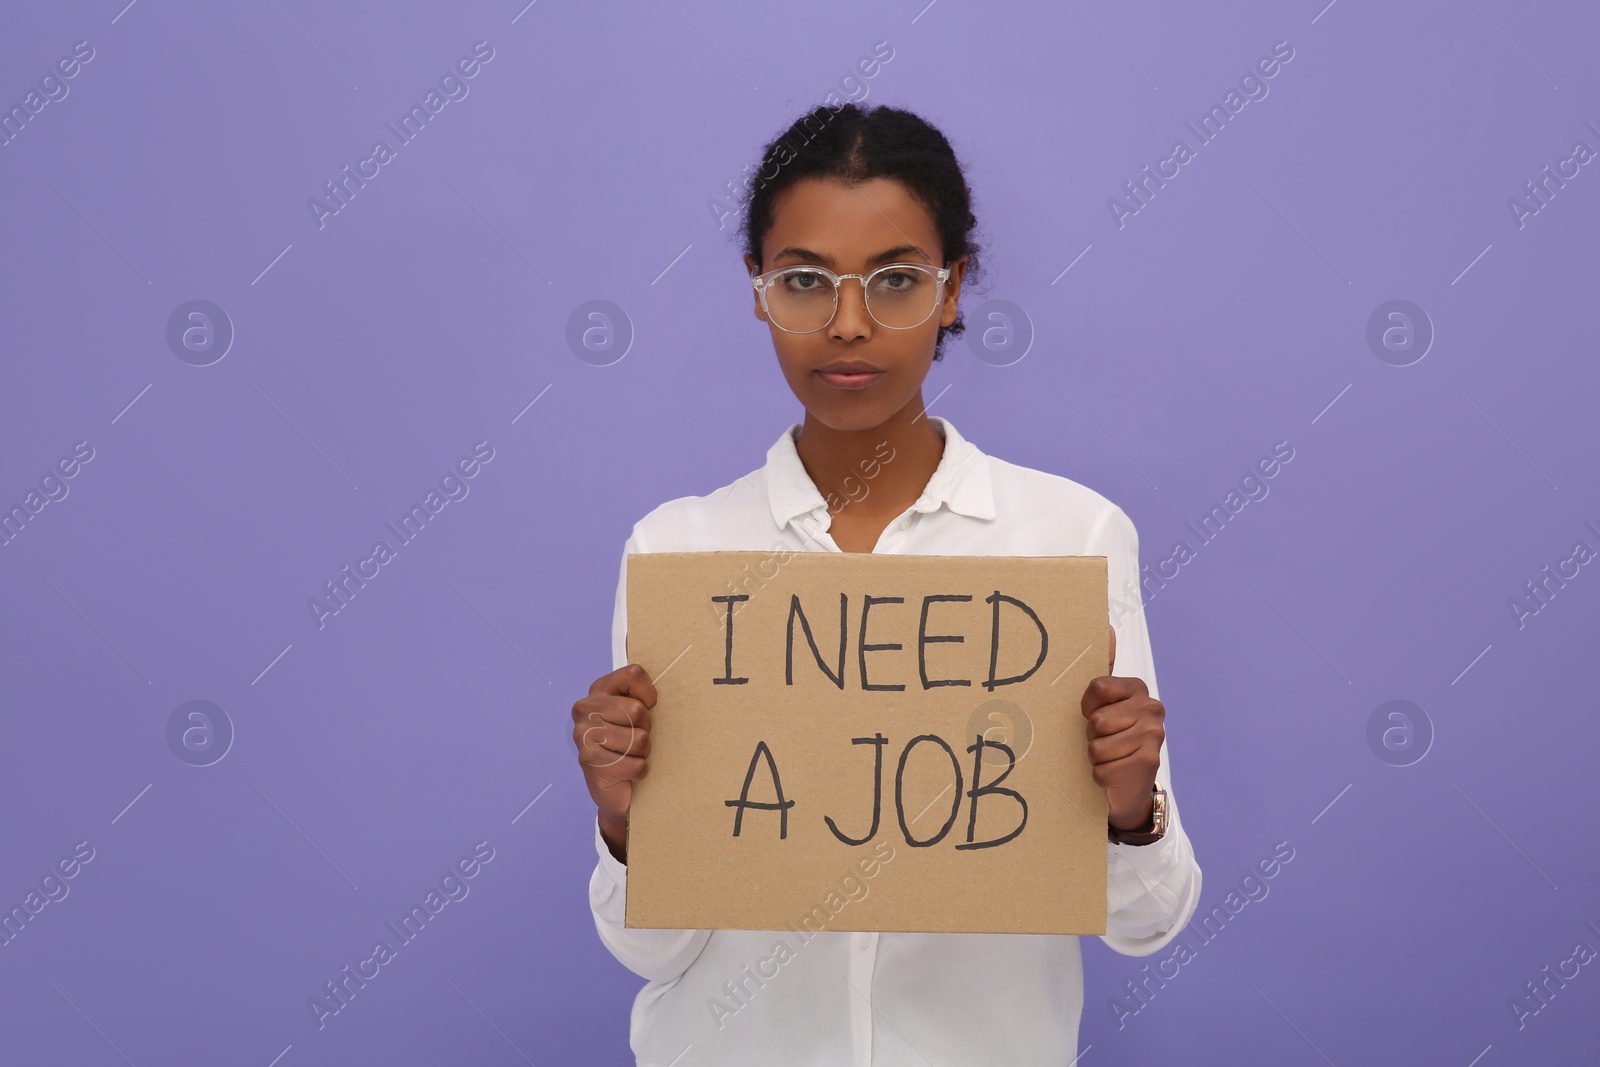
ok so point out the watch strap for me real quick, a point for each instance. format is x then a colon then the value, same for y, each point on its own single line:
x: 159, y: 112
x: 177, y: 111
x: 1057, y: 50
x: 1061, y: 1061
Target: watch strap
x: 1155, y: 830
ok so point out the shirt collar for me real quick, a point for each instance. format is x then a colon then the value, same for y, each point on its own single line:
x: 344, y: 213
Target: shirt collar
x: 960, y: 482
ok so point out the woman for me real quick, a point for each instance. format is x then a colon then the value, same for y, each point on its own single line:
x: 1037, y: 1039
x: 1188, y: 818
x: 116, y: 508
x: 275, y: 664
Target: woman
x: 857, y: 247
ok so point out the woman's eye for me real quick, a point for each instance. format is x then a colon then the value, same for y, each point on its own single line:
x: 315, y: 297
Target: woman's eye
x: 898, y: 281
x: 803, y: 281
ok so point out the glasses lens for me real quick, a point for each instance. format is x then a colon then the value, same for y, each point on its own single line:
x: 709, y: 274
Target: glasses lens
x: 902, y: 296
x: 800, y: 300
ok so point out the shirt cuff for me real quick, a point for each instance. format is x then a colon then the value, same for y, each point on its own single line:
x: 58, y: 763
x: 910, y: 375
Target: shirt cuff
x: 1138, y: 874
x: 1155, y: 860
x: 608, y: 887
x: 1151, y: 892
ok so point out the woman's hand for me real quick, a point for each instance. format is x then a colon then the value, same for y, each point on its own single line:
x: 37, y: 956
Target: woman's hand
x: 1125, y: 733
x: 612, y: 729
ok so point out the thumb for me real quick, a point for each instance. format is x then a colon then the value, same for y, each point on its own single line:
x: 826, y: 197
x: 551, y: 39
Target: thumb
x: 1112, y: 665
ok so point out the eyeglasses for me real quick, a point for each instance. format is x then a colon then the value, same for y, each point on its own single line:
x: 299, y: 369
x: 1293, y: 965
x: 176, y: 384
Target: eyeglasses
x: 804, y: 299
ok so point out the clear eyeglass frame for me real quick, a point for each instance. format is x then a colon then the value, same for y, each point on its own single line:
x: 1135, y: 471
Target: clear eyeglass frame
x: 940, y: 275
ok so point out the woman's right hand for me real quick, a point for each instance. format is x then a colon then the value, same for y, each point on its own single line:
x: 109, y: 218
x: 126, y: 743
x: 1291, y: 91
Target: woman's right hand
x: 612, y: 729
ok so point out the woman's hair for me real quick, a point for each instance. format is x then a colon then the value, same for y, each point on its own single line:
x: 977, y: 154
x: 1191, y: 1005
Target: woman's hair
x: 852, y: 143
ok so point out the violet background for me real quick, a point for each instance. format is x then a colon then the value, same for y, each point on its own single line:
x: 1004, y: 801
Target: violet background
x: 1227, y: 315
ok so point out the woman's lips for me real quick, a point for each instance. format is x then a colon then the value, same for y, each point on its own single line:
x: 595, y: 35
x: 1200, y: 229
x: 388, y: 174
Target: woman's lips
x: 850, y: 379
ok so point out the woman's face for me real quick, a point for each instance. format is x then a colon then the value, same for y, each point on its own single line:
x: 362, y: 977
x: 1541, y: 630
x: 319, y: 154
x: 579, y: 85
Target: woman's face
x: 852, y: 229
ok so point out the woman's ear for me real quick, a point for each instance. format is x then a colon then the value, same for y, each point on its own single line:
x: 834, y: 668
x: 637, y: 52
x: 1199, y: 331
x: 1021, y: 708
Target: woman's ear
x: 952, y: 291
x: 752, y: 268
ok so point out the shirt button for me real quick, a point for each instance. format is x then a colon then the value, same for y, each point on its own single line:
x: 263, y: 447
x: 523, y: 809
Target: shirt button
x: 863, y: 940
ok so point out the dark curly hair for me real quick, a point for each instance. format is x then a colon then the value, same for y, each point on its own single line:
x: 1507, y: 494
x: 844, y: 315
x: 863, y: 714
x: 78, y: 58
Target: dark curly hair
x: 853, y: 143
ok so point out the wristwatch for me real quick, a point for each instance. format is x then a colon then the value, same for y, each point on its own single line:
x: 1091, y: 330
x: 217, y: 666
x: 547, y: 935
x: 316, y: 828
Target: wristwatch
x: 1151, y: 832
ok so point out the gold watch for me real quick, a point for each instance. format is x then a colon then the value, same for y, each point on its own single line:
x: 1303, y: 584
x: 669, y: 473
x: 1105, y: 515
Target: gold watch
x: 1152, y: 832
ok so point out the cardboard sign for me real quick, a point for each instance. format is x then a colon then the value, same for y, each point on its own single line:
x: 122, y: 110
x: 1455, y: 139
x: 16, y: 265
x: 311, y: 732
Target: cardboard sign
x: 873, y: 742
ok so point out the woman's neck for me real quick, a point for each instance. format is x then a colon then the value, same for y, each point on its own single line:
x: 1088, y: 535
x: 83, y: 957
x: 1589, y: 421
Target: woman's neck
x: 877, y: 472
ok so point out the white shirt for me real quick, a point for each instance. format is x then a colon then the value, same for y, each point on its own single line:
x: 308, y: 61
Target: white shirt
x: 890, y: 999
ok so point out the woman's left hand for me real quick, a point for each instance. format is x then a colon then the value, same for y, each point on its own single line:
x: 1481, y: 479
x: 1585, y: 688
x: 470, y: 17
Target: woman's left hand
x: 1125, y: 731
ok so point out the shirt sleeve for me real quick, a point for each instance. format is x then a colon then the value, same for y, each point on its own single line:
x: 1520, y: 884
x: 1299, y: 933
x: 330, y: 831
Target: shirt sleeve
x: 658, y: 955
x: 1151, y: 890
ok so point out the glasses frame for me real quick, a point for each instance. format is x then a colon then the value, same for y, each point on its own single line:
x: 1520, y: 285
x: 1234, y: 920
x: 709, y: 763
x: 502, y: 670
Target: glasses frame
x: 941, y: 276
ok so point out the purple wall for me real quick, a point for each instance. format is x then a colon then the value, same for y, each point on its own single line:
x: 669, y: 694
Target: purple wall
x: 1434, y: 874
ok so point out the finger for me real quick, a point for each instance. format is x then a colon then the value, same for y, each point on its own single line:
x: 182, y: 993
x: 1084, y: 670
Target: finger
x: 625, y: 769
x: 1113, y: 718
x: 1109, y: 747
x: 1108, y: 690
x: 631, y: 680
x: 622, y: 710
x: 593, y: 755
x: 622, y: 739
x: 1111, y: 668
x: 608, y: 745
x: 1134, y: 767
